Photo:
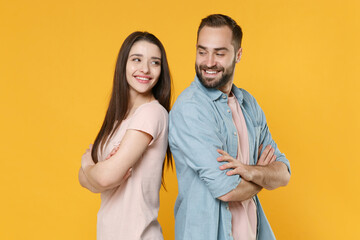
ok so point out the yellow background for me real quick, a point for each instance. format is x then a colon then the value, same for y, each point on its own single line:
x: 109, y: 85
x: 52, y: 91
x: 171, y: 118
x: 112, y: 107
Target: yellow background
x: 300, y: 60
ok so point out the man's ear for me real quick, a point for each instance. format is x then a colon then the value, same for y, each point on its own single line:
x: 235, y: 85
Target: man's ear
x: 238, y: 55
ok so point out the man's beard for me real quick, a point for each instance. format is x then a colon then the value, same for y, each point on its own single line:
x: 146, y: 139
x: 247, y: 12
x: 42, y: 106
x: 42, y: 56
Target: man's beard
x: 212, y: 83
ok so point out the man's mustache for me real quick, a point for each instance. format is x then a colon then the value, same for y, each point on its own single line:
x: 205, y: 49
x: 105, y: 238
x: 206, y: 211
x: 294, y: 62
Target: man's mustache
x: 215, y: 68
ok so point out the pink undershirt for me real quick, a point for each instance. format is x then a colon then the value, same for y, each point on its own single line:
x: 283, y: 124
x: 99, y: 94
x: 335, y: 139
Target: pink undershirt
x: 244, y: 219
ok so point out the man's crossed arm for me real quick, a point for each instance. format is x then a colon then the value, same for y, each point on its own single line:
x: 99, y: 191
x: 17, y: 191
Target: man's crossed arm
x: 267, y: 173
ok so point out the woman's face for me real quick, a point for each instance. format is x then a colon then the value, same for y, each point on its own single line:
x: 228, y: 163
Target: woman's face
x: 143, y: 67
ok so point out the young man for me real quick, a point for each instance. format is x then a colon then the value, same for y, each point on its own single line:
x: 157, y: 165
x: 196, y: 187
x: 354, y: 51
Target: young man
x: 216, y: 134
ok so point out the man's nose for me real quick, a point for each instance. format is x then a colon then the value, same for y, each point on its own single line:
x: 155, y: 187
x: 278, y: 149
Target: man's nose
x: 210, y: 61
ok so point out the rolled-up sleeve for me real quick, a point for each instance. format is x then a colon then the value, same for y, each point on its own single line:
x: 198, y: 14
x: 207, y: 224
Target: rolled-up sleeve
x: 194, y: 137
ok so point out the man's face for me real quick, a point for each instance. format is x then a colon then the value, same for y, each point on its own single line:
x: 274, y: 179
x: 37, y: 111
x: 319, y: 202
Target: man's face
x: 215, y: 56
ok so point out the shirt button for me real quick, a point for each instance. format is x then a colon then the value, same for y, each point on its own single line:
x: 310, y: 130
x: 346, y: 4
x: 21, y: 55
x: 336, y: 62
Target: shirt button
x: 224, y: 96
x: 227, y: 208
x: 235, y: 133
x: 230, y: 234
x: 228, y: 110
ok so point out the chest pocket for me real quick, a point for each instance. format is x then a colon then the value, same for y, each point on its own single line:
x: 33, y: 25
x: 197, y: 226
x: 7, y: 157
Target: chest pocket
x: 257, y: 135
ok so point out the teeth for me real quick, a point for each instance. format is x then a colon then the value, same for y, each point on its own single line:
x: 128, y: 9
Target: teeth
x: 142, y: 78
x: 210, y: 72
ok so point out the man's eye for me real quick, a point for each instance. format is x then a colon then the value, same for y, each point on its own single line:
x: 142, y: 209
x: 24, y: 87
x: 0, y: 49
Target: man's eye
x: 220, y: 54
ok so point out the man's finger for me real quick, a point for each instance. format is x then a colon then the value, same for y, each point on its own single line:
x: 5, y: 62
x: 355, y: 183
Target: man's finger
x: 264, y: 153
x: 222, y: 152
x: 260, y: 149
x: 230, y: 173
x: 269, y: 156
x: 273, y: 159
x: 227, y: 166
x: 225, y: 159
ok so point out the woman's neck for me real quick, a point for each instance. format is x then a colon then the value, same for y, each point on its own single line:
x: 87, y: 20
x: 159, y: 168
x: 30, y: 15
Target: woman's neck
x: 136, y: 100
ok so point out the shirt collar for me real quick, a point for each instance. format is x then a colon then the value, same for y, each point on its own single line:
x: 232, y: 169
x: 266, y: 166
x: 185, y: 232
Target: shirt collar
x: 238, y: 93
x: 215, y: 94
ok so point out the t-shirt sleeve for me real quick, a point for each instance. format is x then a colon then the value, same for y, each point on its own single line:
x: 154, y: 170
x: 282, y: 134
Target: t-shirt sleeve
x: 150, y: 118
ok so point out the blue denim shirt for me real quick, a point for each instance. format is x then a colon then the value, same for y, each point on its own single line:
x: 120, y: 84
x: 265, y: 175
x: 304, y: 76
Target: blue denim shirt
x: 201, y: 122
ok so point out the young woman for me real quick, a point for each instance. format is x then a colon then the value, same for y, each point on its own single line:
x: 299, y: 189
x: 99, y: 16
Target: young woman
x: 126, y: 161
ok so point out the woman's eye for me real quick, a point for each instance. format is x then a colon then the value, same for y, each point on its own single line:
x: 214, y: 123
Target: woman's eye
x: 136, y: 60
x: 157, y: 63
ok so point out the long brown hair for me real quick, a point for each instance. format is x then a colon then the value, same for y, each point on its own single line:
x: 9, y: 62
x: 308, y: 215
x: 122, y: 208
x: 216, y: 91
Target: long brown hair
x: 119, y: 102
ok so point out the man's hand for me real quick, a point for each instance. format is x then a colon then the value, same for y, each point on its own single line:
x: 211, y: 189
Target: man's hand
x: 245, y: 171
x: 267, y: 156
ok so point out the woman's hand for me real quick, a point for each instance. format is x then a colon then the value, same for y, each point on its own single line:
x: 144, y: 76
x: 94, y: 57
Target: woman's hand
x: 113, y: 152
x: 111, y: 173
x: 86, y: 159
x: 129, y: 172
x: 87, y: 163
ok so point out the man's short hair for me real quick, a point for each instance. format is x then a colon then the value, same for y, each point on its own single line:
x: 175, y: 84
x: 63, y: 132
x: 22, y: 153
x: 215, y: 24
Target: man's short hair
x: 219, y: 20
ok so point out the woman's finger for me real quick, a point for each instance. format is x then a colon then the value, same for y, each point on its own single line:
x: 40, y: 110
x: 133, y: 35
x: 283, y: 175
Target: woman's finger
x: 127, y: 174
x: 113, y: 152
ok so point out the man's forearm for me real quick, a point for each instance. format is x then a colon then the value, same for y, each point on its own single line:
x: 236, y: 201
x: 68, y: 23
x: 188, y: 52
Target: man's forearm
x: 271, y: 176
x: 243, y: 191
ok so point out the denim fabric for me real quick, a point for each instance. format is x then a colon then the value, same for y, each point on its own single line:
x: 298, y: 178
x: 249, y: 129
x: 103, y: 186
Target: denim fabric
x: 201, y: 122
